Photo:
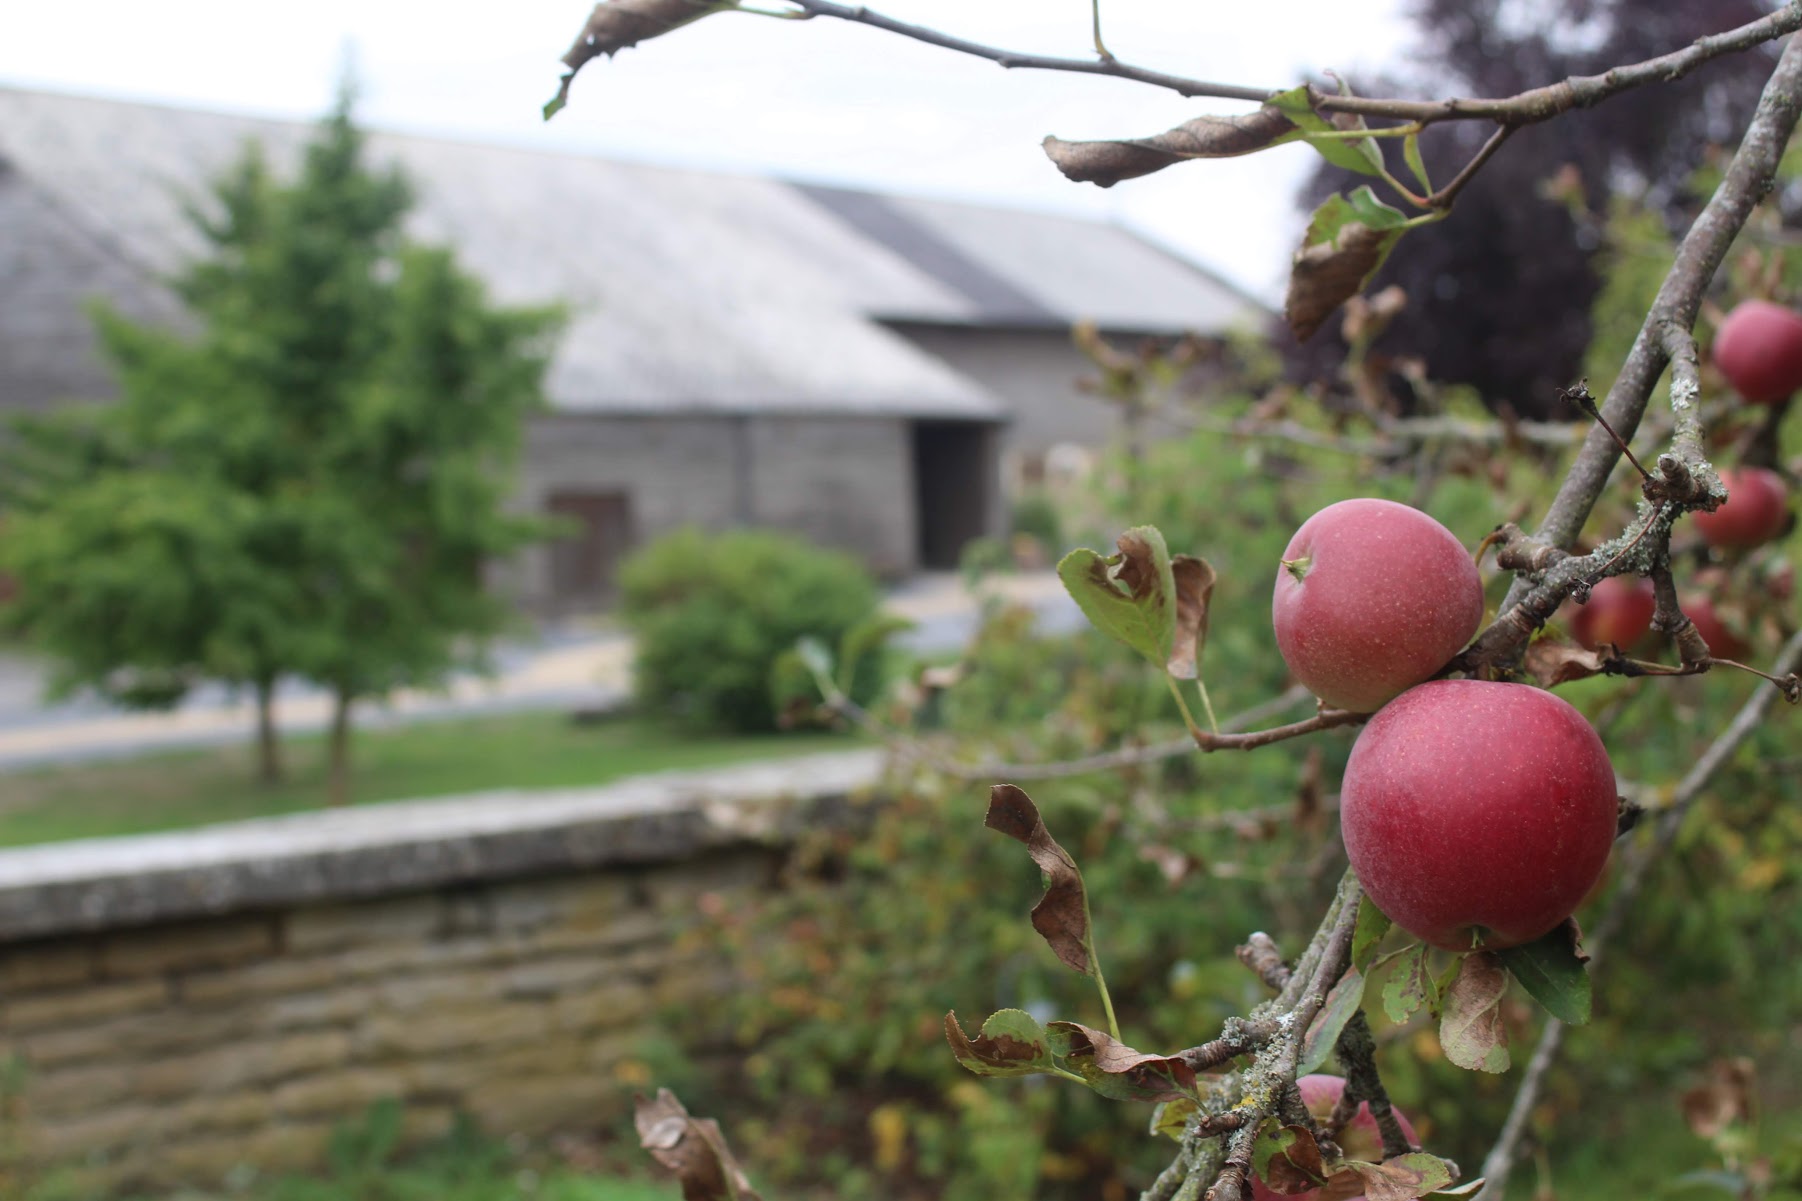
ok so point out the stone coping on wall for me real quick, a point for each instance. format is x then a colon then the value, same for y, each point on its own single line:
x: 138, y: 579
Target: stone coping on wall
x: 106, y: 883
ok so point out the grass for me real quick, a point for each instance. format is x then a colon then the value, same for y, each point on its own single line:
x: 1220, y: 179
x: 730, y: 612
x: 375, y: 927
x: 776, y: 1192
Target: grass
x: 533, y: 750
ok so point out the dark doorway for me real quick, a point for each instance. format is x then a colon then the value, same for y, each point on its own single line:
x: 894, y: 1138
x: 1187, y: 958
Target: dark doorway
x: 953, y: 487
x: 584, y: 562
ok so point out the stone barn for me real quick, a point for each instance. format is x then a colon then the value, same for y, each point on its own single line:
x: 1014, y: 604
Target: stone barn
x: 866, y: 370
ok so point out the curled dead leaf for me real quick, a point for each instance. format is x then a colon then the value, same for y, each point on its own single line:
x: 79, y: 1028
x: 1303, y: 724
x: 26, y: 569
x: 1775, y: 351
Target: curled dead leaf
x: 1107, y: 162
x: 1194, y: 589
x: 1472, y: 1029
x: 617, y: 25
x: 1553, y: 661
x: 1115, y: 1070
x: 1062, y: 915
x: 1403, y: 1178
x: 692, y: 1148
x: 1327, y: 274
x: 1287, y: 1159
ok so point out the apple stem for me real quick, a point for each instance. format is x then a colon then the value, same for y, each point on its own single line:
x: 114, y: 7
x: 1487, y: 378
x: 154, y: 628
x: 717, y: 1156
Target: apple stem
x: 1195, y: 731
x: 1207, y: 706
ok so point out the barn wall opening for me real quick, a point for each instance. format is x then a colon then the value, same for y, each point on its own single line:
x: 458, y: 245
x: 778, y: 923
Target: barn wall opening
x: 954, y: 492
x: 584, y: 564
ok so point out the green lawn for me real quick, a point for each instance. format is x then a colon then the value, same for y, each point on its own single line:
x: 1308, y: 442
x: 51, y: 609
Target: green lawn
x: 533, y: 750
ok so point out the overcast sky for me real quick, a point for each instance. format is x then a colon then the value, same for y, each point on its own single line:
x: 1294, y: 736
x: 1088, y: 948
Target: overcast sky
x: 821, y: 100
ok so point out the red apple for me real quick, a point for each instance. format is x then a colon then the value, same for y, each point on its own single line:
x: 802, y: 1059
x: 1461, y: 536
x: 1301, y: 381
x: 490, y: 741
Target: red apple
x: 1619, y: 611
x: 1361, y: 1139
x: 1478, y: 814
x: 1372, y: 597
x: 1759, y: 349
x: 1755, y: 511
x: 1722, y: 642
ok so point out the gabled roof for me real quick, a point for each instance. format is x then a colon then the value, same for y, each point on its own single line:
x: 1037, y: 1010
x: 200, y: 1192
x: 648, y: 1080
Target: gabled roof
x: 690, y: 291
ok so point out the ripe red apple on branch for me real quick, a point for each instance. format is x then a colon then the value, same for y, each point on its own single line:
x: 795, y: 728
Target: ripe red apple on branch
x: 1759, y: 349
x: 1372, y: 597
x: 1478, y: 814
x: 1360, y: 1139
x: 1754, y: 513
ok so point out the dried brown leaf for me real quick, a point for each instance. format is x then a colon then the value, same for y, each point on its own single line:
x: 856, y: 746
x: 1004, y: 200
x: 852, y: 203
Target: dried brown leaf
x: 692, y: 1148
x: 1106, y: 163
x: 617, y: 25
x: 1293, y: 1163
x: 1404, y: 1177
x: 1327, y: 274
x: 1194, y: 589
x: 1724, y: 1099
x: 1115, y: 1070
x: 1138, y: 568
x: 1062, y: 915
x: 1472, y: 1030
x: 1553, y: 661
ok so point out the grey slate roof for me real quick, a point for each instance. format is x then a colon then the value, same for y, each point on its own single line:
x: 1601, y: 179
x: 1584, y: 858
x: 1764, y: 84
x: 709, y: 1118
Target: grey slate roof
x: 691, y: 291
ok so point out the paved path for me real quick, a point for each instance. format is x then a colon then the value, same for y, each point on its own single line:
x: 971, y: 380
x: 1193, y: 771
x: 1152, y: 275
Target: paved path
x: 561, y: 671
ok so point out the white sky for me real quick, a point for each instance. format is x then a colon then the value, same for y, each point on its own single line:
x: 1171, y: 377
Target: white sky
x: 821, y: 100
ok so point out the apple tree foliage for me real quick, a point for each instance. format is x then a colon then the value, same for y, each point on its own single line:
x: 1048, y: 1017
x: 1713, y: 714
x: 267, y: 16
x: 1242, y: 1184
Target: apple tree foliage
x: 1380, y: 1001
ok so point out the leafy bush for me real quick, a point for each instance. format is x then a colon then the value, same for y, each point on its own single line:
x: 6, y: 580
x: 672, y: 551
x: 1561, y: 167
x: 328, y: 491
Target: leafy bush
x: 713, y: 612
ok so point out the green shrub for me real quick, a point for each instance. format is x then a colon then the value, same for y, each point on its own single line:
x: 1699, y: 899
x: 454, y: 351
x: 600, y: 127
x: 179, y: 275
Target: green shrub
x: 712, y: 612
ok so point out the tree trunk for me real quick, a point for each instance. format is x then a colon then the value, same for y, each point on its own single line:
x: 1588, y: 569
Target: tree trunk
x: 340, y: 749
x: 269, y: 754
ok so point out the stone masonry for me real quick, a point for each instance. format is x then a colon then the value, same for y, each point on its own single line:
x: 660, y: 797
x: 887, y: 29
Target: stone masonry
x: 180, y: 1005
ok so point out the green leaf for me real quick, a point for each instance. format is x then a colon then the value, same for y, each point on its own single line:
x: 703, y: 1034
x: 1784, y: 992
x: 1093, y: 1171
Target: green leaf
x: 1411, y: 152
x: 1130, y: 595
x: 1367, y: 936
x: 792, y: 685
x: 1171, y: 1118
x: 814, y: 656
x: 866, y: 637
x: 1410, y: 985
x: 1012, y: 1043
x: 1551, y: 969
x: 1472, y: 1031
x: 1354, y: 154
x: 1469, y: 1188
x: 1324, y: 1031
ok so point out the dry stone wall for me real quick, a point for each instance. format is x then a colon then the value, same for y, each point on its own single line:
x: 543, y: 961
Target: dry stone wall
x: 174, y: 1016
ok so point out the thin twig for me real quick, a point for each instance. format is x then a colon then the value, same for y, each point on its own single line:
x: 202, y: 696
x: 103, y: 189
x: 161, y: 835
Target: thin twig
x: 1579, y: 91
x: 1444, y: 197
x: 1500, y: 1160
x: 1326, y: 719
x: 1014, y: 60
x: 1537, y: 104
